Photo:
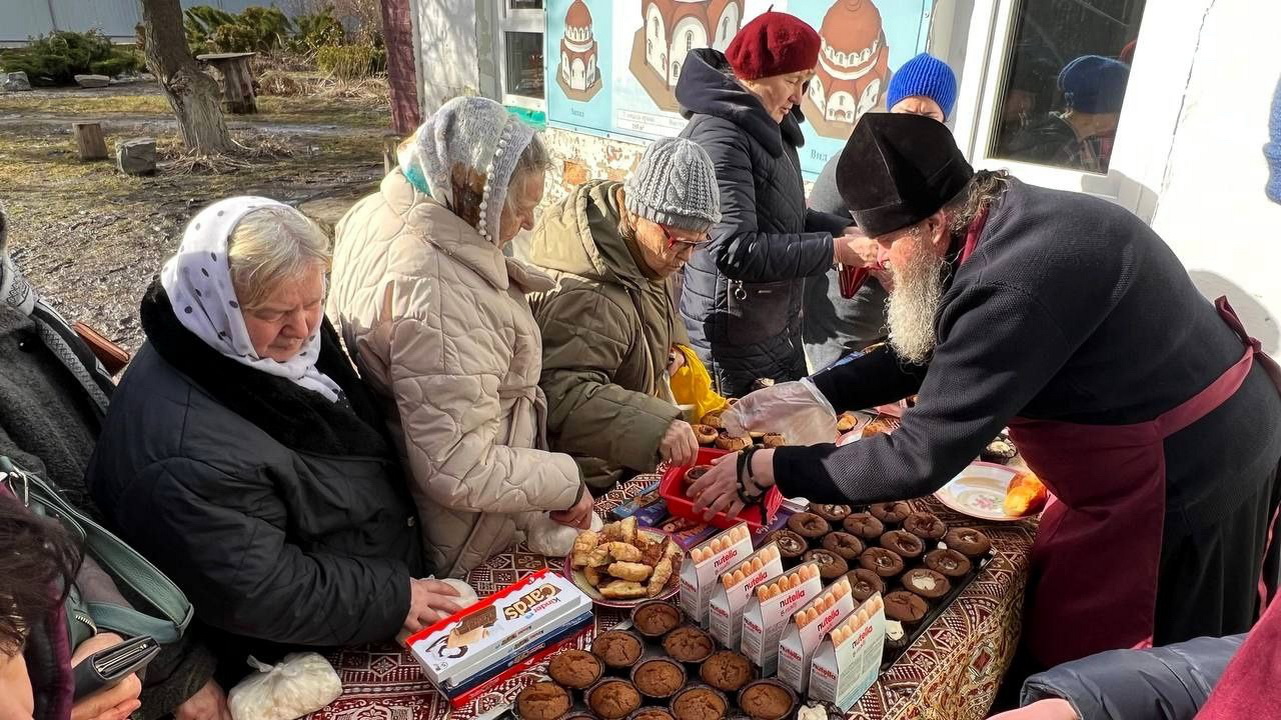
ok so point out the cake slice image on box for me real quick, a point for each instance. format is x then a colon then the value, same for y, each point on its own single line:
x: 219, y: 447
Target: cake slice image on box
x: 473, y: 628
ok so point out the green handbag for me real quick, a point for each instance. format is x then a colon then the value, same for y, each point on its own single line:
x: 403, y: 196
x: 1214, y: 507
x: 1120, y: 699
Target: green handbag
x: 121, y: 562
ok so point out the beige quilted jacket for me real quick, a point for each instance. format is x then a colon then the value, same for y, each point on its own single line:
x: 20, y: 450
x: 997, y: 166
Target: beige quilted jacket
x: 437, y: 321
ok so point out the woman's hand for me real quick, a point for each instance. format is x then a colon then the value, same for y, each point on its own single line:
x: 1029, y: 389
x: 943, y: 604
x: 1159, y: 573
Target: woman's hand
x: 717, y: 491
x: 430, y: 601
x: 854, y: 249
x: 675, y: 361
x: 579, y: 515
x: 209, y: 703
x: 679, y: 445
x: 1054, y: 709
x: 114, y: 703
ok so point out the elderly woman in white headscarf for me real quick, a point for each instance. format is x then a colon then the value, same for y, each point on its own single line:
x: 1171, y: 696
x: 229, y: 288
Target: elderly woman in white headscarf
x: 436, y: 318
x: 242, y: 455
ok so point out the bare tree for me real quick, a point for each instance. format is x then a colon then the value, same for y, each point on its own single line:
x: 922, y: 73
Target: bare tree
x: 192, y: 94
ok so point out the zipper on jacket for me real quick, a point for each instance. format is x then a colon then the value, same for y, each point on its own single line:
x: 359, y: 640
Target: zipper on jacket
x: 736, y: 287
x: 84, y: 618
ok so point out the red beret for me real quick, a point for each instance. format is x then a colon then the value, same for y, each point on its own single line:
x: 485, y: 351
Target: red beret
x: 773, y: 43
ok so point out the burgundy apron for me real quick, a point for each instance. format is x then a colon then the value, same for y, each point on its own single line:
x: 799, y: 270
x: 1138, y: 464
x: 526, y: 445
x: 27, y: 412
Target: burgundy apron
x: 1097, y: 552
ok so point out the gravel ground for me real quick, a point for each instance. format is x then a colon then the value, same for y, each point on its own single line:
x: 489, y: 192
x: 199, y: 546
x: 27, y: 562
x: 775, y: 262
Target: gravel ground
x: 91, y: 239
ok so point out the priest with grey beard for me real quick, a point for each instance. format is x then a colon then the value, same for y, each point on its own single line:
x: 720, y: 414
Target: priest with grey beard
x: 1152, y: 416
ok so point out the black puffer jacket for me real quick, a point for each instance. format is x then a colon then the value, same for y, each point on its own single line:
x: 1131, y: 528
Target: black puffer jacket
x: 742, y: 295
x: 283, y: 516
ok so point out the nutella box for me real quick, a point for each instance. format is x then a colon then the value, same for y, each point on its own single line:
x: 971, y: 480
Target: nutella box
x: 708, y: 561
x: 772, y: 605
x: 499, y: 629
x: 849, y: 659
x: 730, y: 598
x: 807, y: 629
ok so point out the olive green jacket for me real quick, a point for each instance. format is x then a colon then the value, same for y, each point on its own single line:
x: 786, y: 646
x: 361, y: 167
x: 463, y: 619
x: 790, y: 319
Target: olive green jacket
x: 607, y: 328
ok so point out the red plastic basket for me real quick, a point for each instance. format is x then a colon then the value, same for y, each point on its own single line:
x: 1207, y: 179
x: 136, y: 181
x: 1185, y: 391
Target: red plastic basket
x: 672, y: 488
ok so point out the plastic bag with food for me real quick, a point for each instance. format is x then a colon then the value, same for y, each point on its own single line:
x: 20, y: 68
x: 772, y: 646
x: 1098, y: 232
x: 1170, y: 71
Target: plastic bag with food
x: 548, y: 537
x: 301, y: 683
x: 797, y: 410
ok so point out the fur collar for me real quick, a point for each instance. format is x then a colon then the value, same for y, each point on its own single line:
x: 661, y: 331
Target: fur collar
x: 295, y: 417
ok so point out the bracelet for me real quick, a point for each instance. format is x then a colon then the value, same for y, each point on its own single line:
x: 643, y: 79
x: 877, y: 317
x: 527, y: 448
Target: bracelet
x: 745, y: 463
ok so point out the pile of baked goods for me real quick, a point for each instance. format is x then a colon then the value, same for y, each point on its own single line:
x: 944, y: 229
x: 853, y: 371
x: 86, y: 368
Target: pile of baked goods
x: 711, y: 432
x: 911, y: 557
x: 663, y: 668
x: 623, y: 562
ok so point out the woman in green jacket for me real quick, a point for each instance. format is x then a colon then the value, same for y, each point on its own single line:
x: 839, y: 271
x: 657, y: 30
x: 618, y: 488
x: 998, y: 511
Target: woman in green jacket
x: 609, y: 326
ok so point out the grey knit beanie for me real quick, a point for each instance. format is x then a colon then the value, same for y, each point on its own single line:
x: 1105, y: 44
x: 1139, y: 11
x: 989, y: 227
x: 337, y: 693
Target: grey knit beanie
x: 675, y: 185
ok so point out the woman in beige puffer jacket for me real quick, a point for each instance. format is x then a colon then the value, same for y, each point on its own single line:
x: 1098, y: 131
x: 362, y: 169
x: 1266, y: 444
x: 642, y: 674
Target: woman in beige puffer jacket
x: 437, y: 321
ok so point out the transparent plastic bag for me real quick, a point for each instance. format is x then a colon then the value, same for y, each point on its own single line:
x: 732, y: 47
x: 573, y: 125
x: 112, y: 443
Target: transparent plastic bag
x: 796, y: 409
x: 301, y: 683
x: 548, y: 537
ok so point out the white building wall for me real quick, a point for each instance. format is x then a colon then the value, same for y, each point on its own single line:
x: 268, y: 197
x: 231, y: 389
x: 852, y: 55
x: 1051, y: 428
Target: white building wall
x: 448, y: 58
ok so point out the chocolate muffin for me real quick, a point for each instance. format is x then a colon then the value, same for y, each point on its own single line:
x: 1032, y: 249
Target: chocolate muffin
x: 766, y: 699
x: 864, y: 526
x: 618, y: 648
x: 655, y: 618
x: 658, y: 677
x: 864, y: 583
x: 613, y: 699
x: 904, y: 543
x: 574, y: 668
x: 969, y: 542
x: 843, y: 544
x: 543, y: 701
x: 891, y: 513
x: 926, y: 583
x: 726, y: 670
x: 925, y: 526
x: 688, y: 644
x: 809, y: 526
x: 831, y: 513
x: 884, y: 563
x: 830, y: 565
x: 905, y: 607
x: 1000, y: 450
x: 651, y: 713
x: 895, y: 635
x: 947, y: 562
x: 790, y: 545
x: 699, y: 702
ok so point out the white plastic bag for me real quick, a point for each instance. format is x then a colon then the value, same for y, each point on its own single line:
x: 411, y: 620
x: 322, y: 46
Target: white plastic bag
x: 302, y: 683
x: 796, y: 409
x: 548, y: 537
x: 466, y: 594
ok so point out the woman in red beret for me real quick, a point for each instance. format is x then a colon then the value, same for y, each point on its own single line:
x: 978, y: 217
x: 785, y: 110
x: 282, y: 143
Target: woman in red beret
x: 742, y: 294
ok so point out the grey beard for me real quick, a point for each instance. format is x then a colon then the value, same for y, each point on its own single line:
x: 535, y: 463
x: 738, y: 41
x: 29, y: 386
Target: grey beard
x: 918, y: 289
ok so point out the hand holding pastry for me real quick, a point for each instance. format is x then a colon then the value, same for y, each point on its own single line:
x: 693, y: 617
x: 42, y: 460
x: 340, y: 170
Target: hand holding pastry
x: 679, y: 445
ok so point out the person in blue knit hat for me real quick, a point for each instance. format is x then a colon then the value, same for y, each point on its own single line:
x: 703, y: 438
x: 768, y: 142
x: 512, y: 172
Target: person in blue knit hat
x: 834, y: 325
x: 1080, y: 136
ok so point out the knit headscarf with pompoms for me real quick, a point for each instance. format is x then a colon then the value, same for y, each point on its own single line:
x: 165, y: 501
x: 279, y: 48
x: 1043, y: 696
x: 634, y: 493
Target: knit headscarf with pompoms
x: 468, y: 151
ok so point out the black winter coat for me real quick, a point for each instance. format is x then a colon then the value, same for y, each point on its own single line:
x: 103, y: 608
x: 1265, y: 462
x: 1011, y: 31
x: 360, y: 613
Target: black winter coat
x: 284, y: 517
x: 742, y: 295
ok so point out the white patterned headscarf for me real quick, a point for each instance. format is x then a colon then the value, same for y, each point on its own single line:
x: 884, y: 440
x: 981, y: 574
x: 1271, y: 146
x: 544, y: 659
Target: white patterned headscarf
x: 198, y: 281
x: 467, y: 152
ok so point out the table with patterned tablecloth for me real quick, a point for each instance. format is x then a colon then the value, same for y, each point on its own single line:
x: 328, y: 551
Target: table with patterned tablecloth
x: 950, y: 673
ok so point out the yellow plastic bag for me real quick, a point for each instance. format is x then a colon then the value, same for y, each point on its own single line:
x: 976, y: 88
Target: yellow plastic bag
x: 692, y: 385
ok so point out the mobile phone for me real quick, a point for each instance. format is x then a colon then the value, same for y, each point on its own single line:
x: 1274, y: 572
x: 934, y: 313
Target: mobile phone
x: 107, y: 667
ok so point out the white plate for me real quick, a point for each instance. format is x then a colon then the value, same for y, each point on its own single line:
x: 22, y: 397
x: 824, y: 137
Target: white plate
x: 979, y: 491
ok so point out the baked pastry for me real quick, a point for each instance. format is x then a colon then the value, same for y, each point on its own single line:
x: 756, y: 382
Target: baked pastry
x: 613, y: 699
x: 574, y: 668
x: 699, y: 702
x: 713, y: 419
x: 877, y: 426
x: 830, y: 565
x: 969, y: 542
x: 658, y: 677
x: 543, y: 701
x: 843, y: 544
x: 762, y: 383
x: 696, y: 472
x: 1000, y: 450
x: 926, y: 583
x: 947, y: 562
x: 766, y: 699
x: 790, y: 545
x: 809, y: 526
x: 895, y: 635
x: 618, y: 648
x: 904, y: 543
x: 726, y: 670
x: 655, y: 618
x: 884, y: 563
x: 891, y: 513
x: 831, y: 513
x: 905, y: 607
x: 1025, y: 495
x: 688, y: 644
x: 725, y: 441
x: 864, y: 583
x: 863, y: 525
x: 925, y: 525
x: 648, y: 713
x: 773, y: 440
x: 706, y: 434
x: 846, y: 422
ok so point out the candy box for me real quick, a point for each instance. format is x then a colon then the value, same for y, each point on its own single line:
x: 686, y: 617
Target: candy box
x: 849, y: 659
x: 730, y: 598
x: 771, y: 607
x: 707, y: 562
x: 807, y: 629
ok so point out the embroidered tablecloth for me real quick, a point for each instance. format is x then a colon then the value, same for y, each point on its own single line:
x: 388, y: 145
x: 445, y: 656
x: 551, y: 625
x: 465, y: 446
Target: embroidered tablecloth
x: 950, y: 673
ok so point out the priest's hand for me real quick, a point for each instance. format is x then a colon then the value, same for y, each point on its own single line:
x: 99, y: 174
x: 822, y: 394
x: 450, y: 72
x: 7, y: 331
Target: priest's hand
x: 854, y: 249
x: 717, y: 491
x: 1054, y: 709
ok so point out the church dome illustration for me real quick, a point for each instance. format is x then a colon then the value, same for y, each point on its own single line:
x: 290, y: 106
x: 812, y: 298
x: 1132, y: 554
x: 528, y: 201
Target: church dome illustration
x: 579, y: 72
x: 853, y: 67
x: 671, y: 28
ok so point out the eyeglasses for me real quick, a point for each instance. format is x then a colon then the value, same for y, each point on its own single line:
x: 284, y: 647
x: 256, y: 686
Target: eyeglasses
x: 673, y: 241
